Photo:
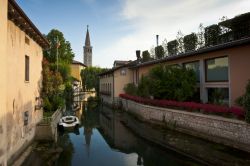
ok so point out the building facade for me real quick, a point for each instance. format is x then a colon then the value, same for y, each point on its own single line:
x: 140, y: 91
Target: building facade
x: 222, y: 68
x: 21, y: 55
x: 76, y: 68
x: 113, y: 81
x: 87, y: 50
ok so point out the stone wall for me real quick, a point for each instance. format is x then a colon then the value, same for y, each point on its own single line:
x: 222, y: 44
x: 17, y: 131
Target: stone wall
x: 48, y: 130
x: 229, y: 132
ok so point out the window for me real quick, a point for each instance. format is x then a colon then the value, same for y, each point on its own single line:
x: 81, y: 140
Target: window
x: 218, y: 95
x: 27, y: 40
x: 196, y: 67
x: 27, y: 68
x: 217, y: 69
x: 26, y: 118
x: 123, y: 72
x: 175, y: 66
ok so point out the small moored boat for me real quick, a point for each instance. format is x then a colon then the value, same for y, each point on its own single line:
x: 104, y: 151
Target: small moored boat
x: 69, y: 121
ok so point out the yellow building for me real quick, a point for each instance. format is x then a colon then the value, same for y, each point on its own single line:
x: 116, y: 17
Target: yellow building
x: 76, y: 68
x: 21, y: 54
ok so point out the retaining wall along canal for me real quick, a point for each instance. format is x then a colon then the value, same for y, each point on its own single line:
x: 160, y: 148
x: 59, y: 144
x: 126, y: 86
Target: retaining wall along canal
x: 229, y: 132
x: 47, y: 129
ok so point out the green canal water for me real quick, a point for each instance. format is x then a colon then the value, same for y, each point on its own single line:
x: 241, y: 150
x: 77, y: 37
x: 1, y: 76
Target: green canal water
x: 109, y: 137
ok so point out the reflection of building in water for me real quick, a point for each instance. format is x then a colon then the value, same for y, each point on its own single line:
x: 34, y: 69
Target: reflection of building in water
x: 78, y: 113
x: 90, y: 120
x: 88, y: 133
x: 115, y: 133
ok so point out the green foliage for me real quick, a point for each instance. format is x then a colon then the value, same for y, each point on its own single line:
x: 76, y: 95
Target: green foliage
x: 57, y: 86
x: 90, y: 78
x: 51, y: 80
x: 146, y: 56
x: 159, y: 52
x: 63, y: 69
x: 143, y: 87
x: 65, y: 53
x: 244, y: 101
x: 47, y: 106
x: 172, y: 47
x: 217, y: 97
x: 212, y: 35
x: 68, y: 94
x: 172, y: 83
x: 130, y: 89
x: 241, y: 25
x: 190, y: 42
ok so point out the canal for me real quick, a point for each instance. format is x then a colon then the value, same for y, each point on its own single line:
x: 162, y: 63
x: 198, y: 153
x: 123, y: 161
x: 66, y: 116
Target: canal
x: 109, y: 137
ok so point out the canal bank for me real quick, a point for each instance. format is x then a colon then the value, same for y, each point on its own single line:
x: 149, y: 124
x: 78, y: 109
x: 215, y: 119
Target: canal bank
x: 230, y: 132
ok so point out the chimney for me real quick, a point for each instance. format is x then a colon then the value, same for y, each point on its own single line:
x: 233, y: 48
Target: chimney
x: 138, y: 54
x: 157, y: 40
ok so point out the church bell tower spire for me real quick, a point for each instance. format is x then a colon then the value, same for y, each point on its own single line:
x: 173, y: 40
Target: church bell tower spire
x: 87, y: 49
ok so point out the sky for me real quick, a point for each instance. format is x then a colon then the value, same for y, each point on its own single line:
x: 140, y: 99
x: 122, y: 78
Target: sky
x: 120, y: 27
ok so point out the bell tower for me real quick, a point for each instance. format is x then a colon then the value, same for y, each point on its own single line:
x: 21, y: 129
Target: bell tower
x: 87, y: 50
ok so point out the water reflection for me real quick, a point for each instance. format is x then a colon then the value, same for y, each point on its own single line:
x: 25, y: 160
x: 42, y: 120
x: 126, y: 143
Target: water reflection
x: 105, y: 140
x: 109, y: 137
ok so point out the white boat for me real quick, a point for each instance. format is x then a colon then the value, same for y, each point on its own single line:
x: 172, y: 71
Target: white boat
x: 69, y: 121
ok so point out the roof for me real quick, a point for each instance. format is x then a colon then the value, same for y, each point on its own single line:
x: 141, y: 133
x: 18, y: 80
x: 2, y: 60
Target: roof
x: 236, y: 21
x: 130, y: 64
x: 120, y: 62
x: 20, y: 19
x: 197, y: 52
x: 87, y: 39
x: 78, y: 63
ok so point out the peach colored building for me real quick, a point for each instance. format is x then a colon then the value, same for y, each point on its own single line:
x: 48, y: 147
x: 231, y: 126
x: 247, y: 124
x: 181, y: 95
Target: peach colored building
x: 21, y: 54
x: 113, y: 81
x: 224, y: 67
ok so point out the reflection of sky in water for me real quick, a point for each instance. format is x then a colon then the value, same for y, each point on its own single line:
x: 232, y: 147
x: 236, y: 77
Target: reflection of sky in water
x: 100, y: 154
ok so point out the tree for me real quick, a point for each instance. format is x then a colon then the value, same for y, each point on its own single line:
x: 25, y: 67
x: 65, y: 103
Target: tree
x: 179, y: 39
x: 57, y: 40
x: 143, y: 87
x: 52, y: 93
x: 57, y: 86
x: 212, y: 35
x: 200, y: 35
x: 244, y: 101
x: 145, y: 56
x: 159, y: 52
x: 190, y: 42
x: 172, y: 47
x: 90, y: 78
x: 152, y: 52
x: 172, y: 83
x: 165, y: 46
x: 130, y: 89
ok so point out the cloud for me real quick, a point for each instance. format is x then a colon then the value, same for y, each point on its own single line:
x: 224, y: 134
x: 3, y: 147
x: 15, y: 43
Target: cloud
x: 147, y: 18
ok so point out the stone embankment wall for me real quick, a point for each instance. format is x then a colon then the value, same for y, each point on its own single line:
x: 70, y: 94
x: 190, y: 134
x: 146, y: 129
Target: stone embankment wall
x: 47, y: 129
x: 229, y: 132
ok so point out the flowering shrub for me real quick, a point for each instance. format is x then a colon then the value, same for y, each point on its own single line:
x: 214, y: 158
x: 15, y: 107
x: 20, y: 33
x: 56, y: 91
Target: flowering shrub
x: 187, y: 105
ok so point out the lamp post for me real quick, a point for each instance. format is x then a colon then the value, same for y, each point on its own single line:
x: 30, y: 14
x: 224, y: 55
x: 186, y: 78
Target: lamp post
x: 57, y: 45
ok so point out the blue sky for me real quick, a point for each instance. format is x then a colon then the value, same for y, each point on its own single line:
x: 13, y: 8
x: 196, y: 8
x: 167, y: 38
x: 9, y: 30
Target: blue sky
x: 119, y: 27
